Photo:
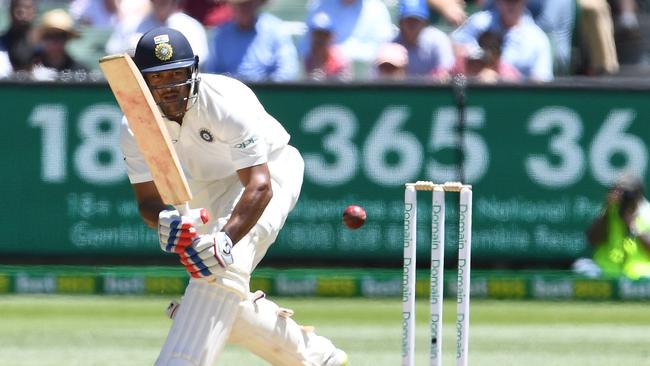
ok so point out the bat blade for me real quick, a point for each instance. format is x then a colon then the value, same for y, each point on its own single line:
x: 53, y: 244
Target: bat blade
x: 148, y: 127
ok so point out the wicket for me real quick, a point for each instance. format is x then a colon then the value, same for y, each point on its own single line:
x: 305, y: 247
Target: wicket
x: 437, y: 269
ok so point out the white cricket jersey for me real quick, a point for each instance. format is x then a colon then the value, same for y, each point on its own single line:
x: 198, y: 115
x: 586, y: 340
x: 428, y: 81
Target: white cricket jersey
x: 226, y: 130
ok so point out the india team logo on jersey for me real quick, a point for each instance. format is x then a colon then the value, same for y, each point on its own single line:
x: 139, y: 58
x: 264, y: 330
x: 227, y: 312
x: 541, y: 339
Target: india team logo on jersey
x: 206, y: 135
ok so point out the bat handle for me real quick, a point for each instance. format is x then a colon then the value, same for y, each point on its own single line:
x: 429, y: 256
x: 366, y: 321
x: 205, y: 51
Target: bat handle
x: 183, y: 209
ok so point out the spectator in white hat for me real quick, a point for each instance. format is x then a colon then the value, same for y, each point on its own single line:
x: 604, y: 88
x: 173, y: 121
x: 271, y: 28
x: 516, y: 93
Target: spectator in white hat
x: 391, y: 62
x: 53, y: 33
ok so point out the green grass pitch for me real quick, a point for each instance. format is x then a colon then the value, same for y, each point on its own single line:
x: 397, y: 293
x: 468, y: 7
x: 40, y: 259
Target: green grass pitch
x: 101, y: 330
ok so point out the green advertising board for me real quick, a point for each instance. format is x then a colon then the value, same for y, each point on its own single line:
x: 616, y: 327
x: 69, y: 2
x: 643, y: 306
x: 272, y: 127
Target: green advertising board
x: 539, y: 159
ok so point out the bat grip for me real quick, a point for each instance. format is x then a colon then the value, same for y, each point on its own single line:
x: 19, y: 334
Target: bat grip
x: 183, y: 209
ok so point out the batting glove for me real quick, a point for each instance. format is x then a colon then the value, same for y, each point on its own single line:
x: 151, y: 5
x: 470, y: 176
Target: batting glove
x: 208, y: 254
x: 176, y: 231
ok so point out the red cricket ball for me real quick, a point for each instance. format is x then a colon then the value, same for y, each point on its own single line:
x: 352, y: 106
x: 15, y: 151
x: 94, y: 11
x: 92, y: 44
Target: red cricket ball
x: 354, y: 216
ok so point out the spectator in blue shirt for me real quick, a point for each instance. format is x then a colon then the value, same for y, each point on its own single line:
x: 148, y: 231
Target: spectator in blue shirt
x: 253, y: 46
x: 430, y: 53
x: 557, y: 18
x: 359, y: 27
x: 163, y: 13
x: 525, y: 45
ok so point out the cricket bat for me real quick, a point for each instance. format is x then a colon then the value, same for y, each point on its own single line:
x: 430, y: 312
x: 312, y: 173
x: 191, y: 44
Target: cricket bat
x: 148, y: 128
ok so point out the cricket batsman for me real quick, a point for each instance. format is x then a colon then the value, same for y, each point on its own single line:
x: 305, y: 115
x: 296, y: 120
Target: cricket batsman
x: 245, y: 180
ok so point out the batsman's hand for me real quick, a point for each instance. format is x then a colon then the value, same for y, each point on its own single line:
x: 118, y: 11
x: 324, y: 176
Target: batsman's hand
x: 208, y: 254
x: 176, y: 231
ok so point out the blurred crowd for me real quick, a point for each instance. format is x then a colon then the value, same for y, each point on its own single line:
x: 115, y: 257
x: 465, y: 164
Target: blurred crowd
x: 345, y: 40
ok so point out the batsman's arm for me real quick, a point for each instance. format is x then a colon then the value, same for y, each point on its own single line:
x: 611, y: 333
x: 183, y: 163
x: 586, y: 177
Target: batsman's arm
x: 257, y: 195
x: 149, y: 202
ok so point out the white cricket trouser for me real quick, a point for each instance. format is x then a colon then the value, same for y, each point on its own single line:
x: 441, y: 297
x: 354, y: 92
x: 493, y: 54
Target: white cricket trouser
x: 200, y: 326
x: 200, y: 329
x: 269, y: 332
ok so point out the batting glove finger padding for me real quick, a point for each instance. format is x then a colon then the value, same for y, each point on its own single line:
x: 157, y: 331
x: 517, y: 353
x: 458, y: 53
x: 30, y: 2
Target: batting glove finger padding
x: 205, y: 268
x: 188, y: 231
x: 207, y: 255
x: 177, y: 242
x: 191, y: 256
x: 177, y: 231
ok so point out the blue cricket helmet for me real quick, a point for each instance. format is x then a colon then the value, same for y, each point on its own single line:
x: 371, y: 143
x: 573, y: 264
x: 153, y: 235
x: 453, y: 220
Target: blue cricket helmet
x: 163, y: 49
